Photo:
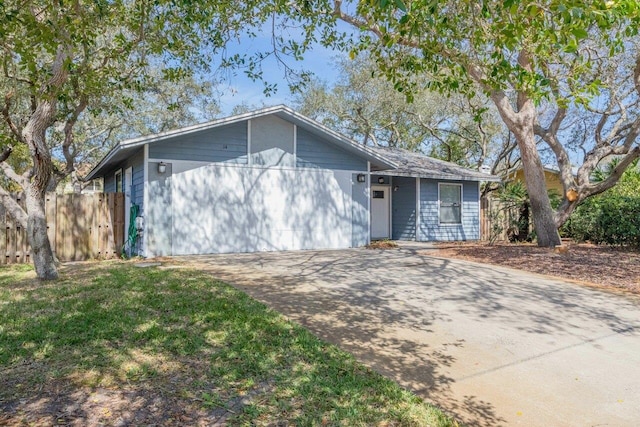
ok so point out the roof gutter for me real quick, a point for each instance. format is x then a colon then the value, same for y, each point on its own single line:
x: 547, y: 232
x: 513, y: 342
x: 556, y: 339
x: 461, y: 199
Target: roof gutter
x: 105, y: 159
x: 489, y: 178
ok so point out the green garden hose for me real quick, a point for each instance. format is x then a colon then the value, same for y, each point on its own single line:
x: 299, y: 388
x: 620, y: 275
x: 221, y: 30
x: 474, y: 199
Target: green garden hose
x: 132, y: 235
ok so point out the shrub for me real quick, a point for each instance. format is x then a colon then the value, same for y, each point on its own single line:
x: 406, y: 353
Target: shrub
x: 612, y: 217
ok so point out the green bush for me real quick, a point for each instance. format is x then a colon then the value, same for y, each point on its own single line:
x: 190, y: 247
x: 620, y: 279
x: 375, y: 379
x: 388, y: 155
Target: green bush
x: 611, y: 218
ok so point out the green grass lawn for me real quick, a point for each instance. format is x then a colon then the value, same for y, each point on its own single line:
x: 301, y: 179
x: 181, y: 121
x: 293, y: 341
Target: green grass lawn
x: 112, y: 343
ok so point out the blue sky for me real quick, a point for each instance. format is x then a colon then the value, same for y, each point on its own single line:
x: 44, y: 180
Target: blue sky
x: 238, y: 89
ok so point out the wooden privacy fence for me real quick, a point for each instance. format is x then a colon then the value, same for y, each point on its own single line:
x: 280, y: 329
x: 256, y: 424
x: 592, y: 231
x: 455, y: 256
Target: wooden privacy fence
x: 496, y: 219
x: 80, y: 227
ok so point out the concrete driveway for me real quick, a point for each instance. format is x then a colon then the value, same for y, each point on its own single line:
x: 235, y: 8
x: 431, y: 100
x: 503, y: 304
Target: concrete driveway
x: 490, y: 345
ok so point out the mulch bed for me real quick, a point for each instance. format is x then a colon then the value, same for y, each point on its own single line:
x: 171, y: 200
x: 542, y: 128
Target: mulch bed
x: 603, y: 266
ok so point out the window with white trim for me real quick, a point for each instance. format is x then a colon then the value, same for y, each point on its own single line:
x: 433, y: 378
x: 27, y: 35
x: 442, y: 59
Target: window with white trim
x: 450, y: 202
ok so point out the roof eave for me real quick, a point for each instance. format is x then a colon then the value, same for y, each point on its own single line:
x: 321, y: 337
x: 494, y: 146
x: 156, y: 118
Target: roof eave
x: 105, y: 160
x: 449, y: 177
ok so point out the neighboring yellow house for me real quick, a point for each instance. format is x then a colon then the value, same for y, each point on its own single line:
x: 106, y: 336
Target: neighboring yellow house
x: 551, y: 176
x: 510, y: 230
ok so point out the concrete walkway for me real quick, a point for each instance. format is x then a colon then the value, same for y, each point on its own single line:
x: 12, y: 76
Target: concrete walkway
x: 490, y: 345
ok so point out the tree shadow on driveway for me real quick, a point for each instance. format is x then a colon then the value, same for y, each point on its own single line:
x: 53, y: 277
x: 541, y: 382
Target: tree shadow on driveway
x: 430, y: 324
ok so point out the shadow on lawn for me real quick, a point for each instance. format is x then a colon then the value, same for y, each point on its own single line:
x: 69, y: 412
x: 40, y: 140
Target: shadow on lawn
x: 127, y: 346
x: 365, y: 316
x: 388, y: 308
x: 107, y: 345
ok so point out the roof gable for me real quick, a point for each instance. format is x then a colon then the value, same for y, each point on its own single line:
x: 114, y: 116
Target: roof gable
x: 385, y: 160
x: 121, y: 150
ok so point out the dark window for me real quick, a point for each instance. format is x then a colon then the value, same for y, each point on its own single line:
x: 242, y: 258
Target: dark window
x: 118, y: 178
x: 378, y: 194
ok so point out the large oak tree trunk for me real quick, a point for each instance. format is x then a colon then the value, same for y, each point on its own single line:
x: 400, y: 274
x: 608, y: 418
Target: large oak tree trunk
x: 543, y: 216
x: 41, y: 251
x: 521, y: 123
x: 34, y: 135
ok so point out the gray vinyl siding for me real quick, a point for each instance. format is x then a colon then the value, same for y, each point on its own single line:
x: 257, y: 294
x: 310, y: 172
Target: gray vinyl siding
x: 159, y: 216
x: 430, y: 228
x: 313, y: 152
x: 110, y: 183
x: 272, y: 142
x: 136, y: 162
x: 403, y: 208
x: 137, y: 189
x: 222, y: 144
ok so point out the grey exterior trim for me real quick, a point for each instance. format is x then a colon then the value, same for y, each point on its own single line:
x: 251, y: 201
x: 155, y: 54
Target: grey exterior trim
x: 417, y: 209
x: 249, y: 136
x: 145, y: 198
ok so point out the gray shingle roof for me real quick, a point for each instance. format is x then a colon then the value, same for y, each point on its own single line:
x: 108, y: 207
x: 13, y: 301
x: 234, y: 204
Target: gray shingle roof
x: 418, y: 165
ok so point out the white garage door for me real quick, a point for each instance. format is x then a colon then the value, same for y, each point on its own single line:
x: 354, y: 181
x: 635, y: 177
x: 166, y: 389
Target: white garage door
x: 219, y: 209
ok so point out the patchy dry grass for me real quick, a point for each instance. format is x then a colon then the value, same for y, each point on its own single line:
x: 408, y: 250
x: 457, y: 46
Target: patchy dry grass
x: 112, y: 344
x: 382, y: 244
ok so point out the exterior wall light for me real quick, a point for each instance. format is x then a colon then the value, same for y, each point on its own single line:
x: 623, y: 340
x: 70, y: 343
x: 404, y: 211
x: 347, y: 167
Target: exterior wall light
x: 162, y: 167
x: 381, y: 180
x: 396, y: 188
x: 360, y: 177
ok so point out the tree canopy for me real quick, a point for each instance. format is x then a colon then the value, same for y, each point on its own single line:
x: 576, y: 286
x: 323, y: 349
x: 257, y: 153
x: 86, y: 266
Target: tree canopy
x: 362, y: 105
x: 64, y: 59
x: 534, y: 61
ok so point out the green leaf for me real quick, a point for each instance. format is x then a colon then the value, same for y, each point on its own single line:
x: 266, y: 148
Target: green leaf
x: 400, y: 5
x: 580, y: 33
